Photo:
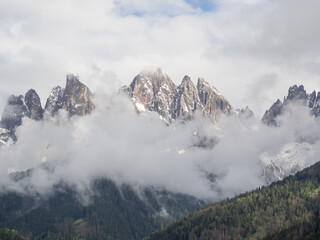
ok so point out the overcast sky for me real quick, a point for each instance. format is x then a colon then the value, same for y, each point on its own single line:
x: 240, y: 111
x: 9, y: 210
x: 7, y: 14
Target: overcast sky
x: 251, y: 50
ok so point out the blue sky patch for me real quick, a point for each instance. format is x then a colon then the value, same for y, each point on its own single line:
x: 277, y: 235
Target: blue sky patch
x: 204, y: 5
x: 125, y: 8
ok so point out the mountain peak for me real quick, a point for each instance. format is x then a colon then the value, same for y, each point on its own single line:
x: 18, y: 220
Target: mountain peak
x: 186, y: 78
x: 187, y: 100
x: 212, y: 100
x: 33, y: 103
x: 278, y: 101
x: 295, y: 93
x: 77, y: 97
x: 151, y: 70
x: 202, y: 83
x: 72, y: 79
x: 153, y: 90
x: 72, y: 75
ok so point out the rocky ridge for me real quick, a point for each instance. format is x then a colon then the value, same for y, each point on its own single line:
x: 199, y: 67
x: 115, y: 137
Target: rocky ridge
x: 75, y: 98
x: 296, y: 94
x: 153, y: 90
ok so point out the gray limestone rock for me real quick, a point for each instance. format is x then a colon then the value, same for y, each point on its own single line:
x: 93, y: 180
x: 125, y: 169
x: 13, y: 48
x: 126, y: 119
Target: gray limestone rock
x: 13, y: 113
x: 212, y: 100
x: 153, y: 90
x: 54, y: 101
x: 33, y: 103
x: 77, y: 97
x: 296, y: 94
x: 270, y: 115
x: 187, y: 102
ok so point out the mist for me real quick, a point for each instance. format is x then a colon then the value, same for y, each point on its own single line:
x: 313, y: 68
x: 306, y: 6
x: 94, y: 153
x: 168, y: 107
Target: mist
x: 139, y: 149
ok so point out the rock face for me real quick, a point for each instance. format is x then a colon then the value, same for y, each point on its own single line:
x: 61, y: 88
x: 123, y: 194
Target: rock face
x: 18, y: 107
x: 187, y: 100
x: 55, y: 100
x: 212, y: 100
x: 270, y: 115
x: 153, y: 90
x: 291, y: 158
x: 33, y: 104
x: 314, y: 103
x: 5, y: 135
x: 295, y: 94
x: 13, y: 112
x: 76, y: 98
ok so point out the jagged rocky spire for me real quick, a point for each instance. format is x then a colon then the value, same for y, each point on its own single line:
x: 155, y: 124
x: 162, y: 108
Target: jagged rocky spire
x: 212, y: 100
x: 187, y: 100
x: 270, y: 115
x: 295, y: 94
x: 153, y: 90
x: 18, y: 107
x: 33, y: 104
x: 55, y: 100
x: 76, y: 98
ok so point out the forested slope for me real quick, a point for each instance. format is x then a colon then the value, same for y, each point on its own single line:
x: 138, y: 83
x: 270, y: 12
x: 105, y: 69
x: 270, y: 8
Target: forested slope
x: 112, y: 212
x: 287, y: 209
x: 7, y: 234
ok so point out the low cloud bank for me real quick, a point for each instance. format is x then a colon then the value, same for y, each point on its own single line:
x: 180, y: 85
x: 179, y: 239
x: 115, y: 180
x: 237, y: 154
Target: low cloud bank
x: 116, y: 143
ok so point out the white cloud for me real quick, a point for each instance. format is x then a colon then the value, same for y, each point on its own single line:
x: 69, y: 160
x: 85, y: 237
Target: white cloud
x: 233, y: 46
x: 140, y: 150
